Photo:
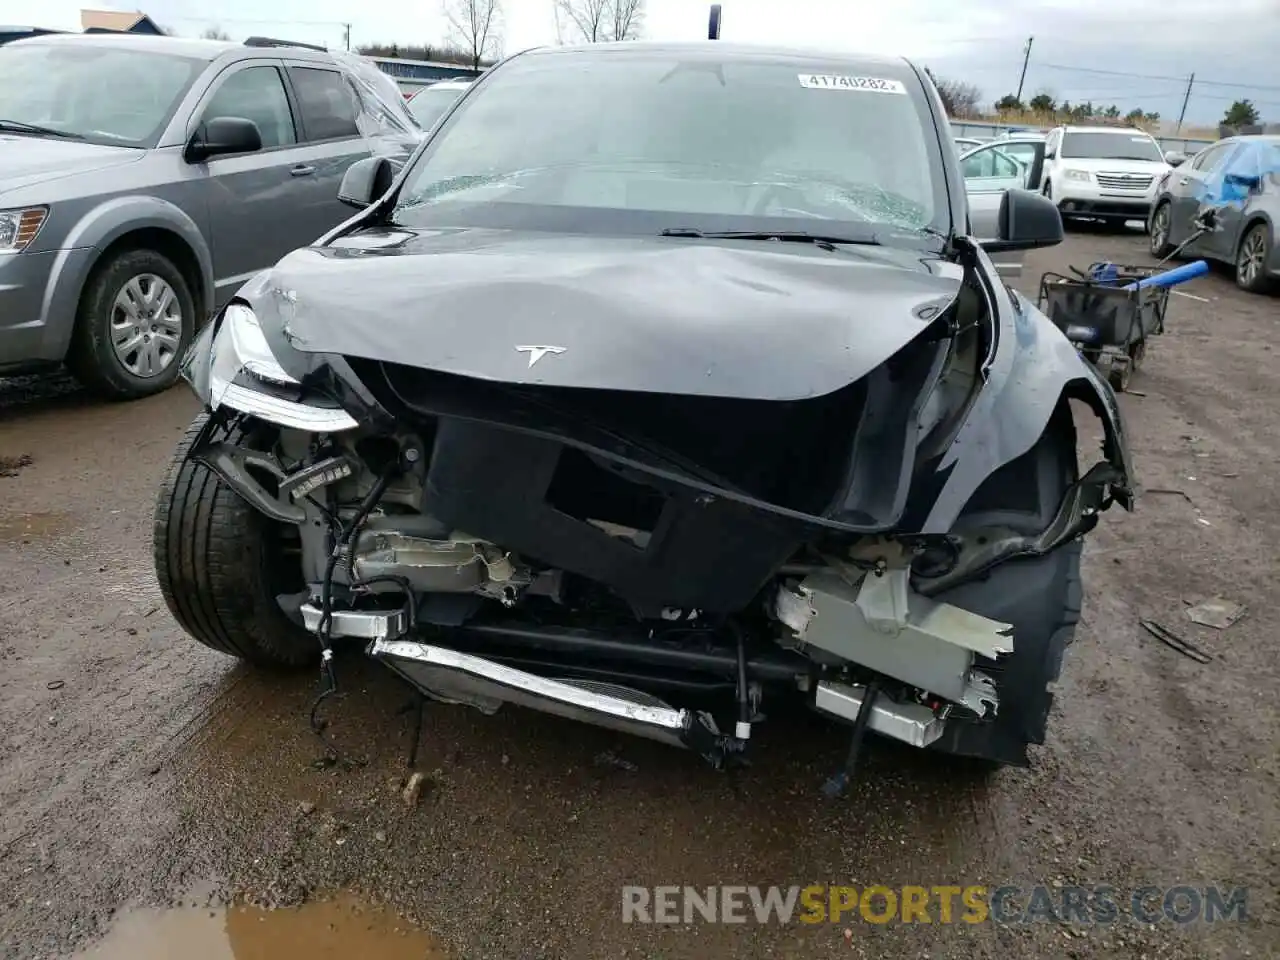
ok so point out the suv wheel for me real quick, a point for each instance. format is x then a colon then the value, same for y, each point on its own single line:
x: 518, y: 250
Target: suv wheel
x: 1252, y: 259
x: 135, y: 321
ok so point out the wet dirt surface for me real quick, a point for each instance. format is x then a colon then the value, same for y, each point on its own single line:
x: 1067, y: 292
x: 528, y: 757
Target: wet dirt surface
x: 134, y: 764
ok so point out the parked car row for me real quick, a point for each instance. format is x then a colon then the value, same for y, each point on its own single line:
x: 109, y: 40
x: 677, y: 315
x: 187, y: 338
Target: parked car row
x: 1121, y: 175
x: 144, y: 179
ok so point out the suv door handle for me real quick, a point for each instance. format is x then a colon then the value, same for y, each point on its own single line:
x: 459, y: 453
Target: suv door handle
x: 1184, y: 181
x: 302, y: 170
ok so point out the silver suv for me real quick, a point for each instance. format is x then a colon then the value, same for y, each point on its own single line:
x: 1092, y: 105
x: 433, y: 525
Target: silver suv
x: 144, y: 179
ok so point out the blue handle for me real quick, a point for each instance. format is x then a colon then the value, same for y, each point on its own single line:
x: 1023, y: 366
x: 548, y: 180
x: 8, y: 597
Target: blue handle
x: 1171, y: 278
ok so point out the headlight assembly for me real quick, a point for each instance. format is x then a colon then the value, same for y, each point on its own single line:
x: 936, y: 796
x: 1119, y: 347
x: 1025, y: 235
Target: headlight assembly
x: 246, y: 376
x: 19, y: 227
x: 1077, y: 175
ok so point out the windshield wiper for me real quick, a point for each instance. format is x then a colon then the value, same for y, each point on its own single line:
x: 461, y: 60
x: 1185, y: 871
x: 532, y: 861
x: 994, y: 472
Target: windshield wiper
x: 17, y: 126
x: 825, y: 241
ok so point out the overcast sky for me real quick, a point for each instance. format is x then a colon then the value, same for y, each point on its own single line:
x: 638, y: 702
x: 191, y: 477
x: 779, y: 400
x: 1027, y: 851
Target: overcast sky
x: 981, y: 41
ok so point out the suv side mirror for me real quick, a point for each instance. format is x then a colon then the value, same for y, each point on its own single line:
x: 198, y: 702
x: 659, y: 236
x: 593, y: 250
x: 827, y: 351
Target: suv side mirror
x: 1026, y: 221
x: 220, y: 136
x: 365, y: 181
x: 1175, y: 158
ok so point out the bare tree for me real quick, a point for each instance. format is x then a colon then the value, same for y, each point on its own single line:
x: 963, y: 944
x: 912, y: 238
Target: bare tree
x: 628, y: 19
x: 591, y: 21
x: 958, y: 98
x: 215, y: 33
x: 476, y: 27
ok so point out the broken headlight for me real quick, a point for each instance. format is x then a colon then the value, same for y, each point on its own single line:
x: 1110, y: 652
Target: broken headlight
x: 245, y: 375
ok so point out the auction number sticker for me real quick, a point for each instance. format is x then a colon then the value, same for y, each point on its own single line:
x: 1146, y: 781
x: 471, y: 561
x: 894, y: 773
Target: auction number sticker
x: 820, y: 81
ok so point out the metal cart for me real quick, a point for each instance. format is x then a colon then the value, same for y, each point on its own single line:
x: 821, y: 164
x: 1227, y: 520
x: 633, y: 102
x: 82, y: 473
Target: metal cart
x: 1106, y: 319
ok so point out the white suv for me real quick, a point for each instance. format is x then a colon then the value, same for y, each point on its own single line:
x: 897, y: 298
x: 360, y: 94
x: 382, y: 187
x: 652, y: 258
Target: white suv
x: 1109, y: 173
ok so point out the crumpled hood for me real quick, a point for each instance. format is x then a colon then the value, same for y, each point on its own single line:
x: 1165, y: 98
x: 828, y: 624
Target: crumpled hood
x: 27, y: 160
x: 750, y: 319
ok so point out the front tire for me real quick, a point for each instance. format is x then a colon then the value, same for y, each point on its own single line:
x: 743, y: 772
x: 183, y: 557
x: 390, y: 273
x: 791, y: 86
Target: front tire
x: 1041, y: 597
x: 1161, y: 223
x: 220, y: 568
x: 1252, y: 258
x: 135, y: 321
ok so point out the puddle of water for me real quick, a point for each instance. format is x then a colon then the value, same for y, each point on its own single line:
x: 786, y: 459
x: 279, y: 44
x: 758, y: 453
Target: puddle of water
x: 14, y: 528
x: 338, y: 929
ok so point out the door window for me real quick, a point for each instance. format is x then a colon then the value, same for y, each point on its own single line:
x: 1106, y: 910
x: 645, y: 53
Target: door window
x: 992, y: 163
x: 1206, y: 160
x: 327, y: 102
x: 257, y: 94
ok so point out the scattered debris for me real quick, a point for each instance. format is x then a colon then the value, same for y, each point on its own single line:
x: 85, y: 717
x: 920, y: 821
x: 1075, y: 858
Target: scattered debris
x: 413, y: 789
x: 608, y: 758
x: 1135, y: 393
x: 1203, y: 522
x: 1174, y: 642
x: 1170, y: 490
x: 55, y: 684
x: 1216, y: 612
x: 9, y: 466
x: 306, y: 808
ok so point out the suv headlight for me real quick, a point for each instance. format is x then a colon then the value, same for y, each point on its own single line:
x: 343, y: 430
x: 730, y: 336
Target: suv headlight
x: 19, y: 227
x: 1077, y: 175
x: 246, y: 376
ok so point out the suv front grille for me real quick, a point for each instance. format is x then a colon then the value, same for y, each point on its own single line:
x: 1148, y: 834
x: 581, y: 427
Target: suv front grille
x: 1124, y: 181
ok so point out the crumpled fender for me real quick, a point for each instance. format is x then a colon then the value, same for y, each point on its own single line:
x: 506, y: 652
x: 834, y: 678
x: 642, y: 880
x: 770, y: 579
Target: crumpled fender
x: 1031, y: 370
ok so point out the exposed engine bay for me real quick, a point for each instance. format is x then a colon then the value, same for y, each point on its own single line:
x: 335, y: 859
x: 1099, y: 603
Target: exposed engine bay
x: 594, y: 553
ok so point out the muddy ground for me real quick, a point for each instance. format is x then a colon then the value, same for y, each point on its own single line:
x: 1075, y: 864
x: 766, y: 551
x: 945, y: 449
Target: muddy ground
x: 136, y: 766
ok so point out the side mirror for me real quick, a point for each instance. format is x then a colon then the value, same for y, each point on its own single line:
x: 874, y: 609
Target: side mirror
x: 1175, y: 158
x: 365, y: 181
x: 220, y: 136
x: 1050, y: 154
x: 1026, y: 221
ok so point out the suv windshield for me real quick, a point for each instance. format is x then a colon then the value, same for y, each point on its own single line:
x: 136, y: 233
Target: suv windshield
x: 1121, y: 145
x: 430, y: 104
x: 99, y: 94
x: 686, y: 139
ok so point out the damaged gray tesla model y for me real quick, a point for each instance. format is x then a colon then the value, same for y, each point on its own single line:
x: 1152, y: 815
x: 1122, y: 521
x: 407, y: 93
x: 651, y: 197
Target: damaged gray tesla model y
x: 663, y: 382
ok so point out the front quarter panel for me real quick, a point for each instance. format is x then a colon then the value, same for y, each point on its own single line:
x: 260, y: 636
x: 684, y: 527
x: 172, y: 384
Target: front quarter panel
x: 1033, y: 368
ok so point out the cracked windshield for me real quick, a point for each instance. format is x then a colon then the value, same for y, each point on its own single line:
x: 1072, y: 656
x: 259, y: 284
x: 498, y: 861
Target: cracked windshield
x: 651, y: 479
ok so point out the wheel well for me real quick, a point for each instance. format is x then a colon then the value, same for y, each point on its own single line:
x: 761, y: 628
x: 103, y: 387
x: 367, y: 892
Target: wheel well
x: 1255, y: 222
x: 168, y: 244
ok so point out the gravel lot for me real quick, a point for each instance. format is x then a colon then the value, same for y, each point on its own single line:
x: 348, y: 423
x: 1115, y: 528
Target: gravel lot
x: 136, y: 767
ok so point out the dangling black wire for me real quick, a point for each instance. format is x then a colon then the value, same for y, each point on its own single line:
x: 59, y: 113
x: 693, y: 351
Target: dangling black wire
x: 344, y: 541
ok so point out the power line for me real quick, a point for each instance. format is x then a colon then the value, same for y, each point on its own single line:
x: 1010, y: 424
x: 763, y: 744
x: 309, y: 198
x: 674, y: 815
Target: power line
x: 1154, y: 76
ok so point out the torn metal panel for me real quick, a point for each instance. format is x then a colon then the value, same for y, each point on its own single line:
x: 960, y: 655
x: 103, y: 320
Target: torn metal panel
x: 882, y: 625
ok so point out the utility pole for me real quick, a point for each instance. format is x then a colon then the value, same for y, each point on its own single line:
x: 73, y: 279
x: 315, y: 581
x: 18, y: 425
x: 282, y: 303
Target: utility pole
x: 1187, y: 97
x: 1026, y: 58
x: 347, y: 35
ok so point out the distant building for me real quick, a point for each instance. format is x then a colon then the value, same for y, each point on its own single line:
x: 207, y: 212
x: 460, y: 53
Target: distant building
x: 115, y: 21
x: 412, y: 75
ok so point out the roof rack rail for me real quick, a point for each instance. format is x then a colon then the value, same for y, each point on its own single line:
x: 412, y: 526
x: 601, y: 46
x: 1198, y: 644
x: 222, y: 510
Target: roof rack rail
x: 272, y: 42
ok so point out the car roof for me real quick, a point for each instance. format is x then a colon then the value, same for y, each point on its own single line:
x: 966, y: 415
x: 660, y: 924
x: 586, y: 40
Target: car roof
x: 1128, y: 131
x: 176, y: 46
x: 728, y: 51
x: 195, y: 49
x: 1251, y: 138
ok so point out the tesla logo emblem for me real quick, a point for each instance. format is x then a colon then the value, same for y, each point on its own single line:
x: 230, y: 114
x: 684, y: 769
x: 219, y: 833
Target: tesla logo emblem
x: 537, y: 353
